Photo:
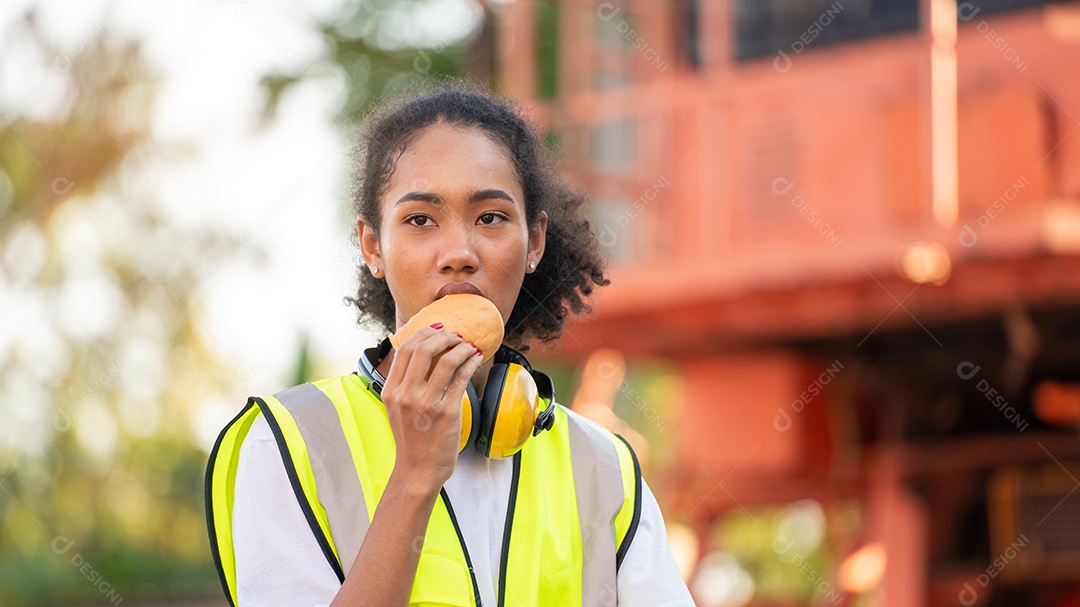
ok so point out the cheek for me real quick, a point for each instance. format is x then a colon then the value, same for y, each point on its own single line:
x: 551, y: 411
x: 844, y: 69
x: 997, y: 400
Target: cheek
x: 509, y: 257
x: 507, y: 269
x: 403, y: 252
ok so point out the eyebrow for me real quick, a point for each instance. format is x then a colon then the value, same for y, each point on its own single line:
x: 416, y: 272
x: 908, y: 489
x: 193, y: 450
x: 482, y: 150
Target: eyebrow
x: 488, y: 194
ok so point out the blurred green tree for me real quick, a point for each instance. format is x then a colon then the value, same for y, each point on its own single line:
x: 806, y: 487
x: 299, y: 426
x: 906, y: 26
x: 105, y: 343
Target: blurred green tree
x: 381, y: 46
x: 102, y: 362
x: 100, y: 356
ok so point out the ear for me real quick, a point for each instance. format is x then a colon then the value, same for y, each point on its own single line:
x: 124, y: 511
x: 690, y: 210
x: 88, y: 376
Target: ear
x: 369, y: 246
x: 537, y: 241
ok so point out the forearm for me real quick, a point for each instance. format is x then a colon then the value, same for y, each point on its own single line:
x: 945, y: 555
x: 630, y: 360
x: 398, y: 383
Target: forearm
x: 426, y: 436
x: 385, y: 568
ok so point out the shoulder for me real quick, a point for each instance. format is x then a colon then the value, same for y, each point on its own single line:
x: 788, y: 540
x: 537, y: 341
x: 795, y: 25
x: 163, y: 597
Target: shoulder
x: 265, y: 413
x: 341, y: 391
x: 346, y: 381
x: 581, y: 423
x: 591, y: 433
x: 259, y: 432
x: 602, y: 448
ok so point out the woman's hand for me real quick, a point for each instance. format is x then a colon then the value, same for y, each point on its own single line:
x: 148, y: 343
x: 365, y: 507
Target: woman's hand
x: 423, y: 403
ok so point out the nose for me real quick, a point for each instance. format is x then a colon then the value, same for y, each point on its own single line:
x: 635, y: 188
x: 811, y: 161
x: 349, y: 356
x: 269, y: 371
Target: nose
x: 458, y: 251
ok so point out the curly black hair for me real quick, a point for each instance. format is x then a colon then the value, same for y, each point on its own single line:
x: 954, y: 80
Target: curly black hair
x: 572, y: 263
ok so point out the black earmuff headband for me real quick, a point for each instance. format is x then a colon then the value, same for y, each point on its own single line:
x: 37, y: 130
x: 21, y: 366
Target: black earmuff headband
x: 372, y: 357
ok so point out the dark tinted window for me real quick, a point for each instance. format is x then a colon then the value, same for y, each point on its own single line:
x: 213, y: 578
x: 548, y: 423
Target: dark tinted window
x: 989, y: 6
x: 793, y: 26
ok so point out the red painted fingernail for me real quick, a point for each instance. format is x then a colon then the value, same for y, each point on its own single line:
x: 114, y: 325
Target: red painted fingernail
x: 478, y: 352
x: 437, y: 325
x: 459, y: 335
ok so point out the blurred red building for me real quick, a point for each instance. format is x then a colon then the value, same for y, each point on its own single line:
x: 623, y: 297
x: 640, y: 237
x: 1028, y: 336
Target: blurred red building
x: 854, y: 310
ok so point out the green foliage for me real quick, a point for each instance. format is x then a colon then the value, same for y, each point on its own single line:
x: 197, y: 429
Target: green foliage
x: 547, y: 48
x: 648, y: 400
x: 376, y: 57
x: 789, y: 552
x: 135, y: 531
x: 105, y: 367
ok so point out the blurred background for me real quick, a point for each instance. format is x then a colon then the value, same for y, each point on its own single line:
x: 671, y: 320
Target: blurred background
x: 843, y: 329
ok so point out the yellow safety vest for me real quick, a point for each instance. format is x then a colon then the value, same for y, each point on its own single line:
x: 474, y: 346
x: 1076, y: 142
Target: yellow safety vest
x: 563, y: 541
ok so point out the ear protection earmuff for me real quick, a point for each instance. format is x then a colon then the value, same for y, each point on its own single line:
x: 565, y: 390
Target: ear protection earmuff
x: 518, y: 402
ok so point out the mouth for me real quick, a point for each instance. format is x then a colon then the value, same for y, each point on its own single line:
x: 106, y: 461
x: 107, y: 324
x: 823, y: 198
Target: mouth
x: 456, y: 288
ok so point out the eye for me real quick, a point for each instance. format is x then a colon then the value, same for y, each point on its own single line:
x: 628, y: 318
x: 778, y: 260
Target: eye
x: 418, y: 220
x: 490, y: 218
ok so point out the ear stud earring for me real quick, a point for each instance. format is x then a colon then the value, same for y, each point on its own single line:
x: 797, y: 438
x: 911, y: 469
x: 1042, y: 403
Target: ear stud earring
x: 532, y: 265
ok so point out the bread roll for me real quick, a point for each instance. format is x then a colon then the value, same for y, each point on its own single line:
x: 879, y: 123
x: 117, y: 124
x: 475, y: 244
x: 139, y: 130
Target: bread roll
x: 474, y: 317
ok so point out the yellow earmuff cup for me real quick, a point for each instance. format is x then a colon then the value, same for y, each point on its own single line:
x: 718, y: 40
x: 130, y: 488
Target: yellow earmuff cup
x: 517, y: 413
x: 466, y: 421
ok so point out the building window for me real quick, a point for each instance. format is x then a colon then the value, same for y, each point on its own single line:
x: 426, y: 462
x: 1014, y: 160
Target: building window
x: 611, y: 147
x: 611, y: 48
x: 792, y: 26
x: 993, y: 6
x: 616, y: 235
x: 764, y: 28
x: 689, y: 39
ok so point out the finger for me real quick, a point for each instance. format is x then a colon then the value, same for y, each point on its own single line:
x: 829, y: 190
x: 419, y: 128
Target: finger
x: 424, y: 355
x: 403, y: 356
x: 461, y: 375
x: 404, y: 353
x: 443, y: 371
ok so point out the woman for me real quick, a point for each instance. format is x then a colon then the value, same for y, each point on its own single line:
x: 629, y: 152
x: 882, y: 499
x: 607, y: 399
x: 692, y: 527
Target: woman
x: 455, y: 194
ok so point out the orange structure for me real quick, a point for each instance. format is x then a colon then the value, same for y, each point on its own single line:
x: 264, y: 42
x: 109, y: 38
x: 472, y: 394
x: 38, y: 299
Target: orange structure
x: 854, y: 227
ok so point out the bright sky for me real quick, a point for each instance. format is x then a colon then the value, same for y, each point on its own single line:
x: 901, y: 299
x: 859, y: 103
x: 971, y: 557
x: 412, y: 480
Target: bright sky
x: 280, y: 188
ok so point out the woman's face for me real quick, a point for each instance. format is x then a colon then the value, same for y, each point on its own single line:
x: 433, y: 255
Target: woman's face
x: 452, y: 212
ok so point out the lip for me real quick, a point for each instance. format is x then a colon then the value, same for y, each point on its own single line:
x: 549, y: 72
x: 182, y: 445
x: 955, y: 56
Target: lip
x: 455, y: 288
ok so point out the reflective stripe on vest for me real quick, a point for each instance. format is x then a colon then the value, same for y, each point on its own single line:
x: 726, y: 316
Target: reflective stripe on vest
x: 332, y: 467
x: 562, y: 544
